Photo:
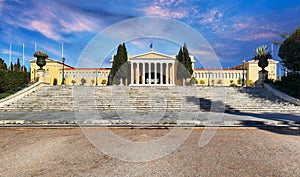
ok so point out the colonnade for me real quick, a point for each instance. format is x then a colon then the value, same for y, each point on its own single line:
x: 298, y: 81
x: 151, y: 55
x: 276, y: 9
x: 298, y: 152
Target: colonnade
x: 152, y: 73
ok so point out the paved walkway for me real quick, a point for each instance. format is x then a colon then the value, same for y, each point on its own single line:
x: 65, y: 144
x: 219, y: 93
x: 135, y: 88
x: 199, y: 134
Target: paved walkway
x: 231, y: 152
x: 131, y: 118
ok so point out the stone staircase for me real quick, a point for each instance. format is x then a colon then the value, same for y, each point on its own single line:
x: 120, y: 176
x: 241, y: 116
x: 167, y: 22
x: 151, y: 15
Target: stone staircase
x: 150, y: 99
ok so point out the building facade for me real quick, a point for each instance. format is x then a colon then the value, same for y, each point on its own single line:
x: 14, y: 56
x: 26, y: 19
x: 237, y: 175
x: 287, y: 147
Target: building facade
x: 150, y: 69
x: 72, y: 75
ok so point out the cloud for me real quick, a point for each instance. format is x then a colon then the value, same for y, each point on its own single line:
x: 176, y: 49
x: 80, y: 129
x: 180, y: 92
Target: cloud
x: 256, y: 35
x: 53, y: 20
x: 165, y: 8
x: 46, y: 29
x: 213, y: 16
x: 13, y: 53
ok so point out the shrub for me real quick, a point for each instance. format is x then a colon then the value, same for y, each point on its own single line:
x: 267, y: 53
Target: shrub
x: 54, y: 81
x: 289, y: 84
x: 73, y: 82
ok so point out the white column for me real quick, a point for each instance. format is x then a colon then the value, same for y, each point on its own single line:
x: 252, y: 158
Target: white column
x: 155, y: 72
x: 161, y: 73
x: 144, y: 73
x: 138, y: 73
x: 173, y: 74
x: 131, y: 73
x: 167, y: 73
x: 149, y: 71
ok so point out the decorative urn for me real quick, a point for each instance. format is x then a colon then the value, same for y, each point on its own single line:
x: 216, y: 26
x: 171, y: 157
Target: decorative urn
x: 40, y: 59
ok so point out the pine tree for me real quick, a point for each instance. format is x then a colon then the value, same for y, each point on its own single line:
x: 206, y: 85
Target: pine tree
x: 3, y: 65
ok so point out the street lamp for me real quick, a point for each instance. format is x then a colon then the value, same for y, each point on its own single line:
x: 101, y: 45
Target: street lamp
x: 96, y: 77
x: 243, y: 80
x: 63, y: 71
x: 208, y: 83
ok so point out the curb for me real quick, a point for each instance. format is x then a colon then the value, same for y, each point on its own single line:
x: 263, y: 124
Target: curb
x: 128, y: 123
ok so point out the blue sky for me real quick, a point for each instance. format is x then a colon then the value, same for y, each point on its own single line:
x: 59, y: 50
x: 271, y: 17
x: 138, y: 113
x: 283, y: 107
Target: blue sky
x: 233, y: 28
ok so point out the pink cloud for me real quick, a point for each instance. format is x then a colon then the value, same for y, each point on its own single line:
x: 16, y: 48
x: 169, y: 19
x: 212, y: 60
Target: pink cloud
x: 163, y: 8
x: 255, y: 36
x: 47, y: 29
x: 212, y: 16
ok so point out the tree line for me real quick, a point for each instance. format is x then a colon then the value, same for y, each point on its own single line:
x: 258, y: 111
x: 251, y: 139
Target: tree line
x: 12, y: 78
x: 289, y: 52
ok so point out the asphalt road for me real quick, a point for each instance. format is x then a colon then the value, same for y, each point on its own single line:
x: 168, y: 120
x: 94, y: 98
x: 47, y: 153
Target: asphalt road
x: 231, y: 152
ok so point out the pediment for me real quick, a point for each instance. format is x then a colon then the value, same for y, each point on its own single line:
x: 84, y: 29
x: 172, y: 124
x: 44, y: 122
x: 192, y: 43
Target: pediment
x: 152, y: 55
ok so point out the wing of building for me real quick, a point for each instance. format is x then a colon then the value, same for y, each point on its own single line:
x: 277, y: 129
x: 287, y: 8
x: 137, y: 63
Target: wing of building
x: 152, y: 68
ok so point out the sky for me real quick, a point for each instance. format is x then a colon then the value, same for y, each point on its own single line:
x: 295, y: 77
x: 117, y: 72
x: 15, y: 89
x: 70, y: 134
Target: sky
x: 232, y: 28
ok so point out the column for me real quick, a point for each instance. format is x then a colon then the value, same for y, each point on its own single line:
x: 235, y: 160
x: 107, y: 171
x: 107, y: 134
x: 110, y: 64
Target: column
x: 149, y: 73
x: 167, y: 73
x: 138, y: 73
x: 173, y: 74
x: 144, y: 73
x: 155, y: 73
x: 161, y: 73
x: 131, y: 73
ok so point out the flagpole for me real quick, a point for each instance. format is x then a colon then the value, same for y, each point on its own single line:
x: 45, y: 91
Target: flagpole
x: 23, y: 67
x: 10, y: 57
x: 272, y: 48
x: 34, y: 46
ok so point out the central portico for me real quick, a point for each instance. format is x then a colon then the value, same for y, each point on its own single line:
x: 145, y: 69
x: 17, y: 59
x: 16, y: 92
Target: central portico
x: 152, y: 68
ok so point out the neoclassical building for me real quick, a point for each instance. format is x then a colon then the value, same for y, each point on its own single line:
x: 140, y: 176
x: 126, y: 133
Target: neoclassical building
x: 152, y: 69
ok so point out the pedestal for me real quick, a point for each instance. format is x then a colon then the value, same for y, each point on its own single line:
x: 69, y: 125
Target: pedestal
x: 41, y: 75
x: 262, y: 76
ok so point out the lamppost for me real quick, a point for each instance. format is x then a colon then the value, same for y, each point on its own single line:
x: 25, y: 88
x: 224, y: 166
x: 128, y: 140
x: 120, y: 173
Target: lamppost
x: 243, y: 80
x: 63, y: 71
x: 96, y: 77
x: 208, y: 83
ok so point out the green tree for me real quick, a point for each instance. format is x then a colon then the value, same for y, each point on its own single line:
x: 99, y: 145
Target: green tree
x: 187, y: 59
x: 184, y: 68
x: 17, y: 66
x: 3, y: 65
x: 120, y: 68
x: 23, y: 68
x: 11, y: 66
x: 262, y: 55
x: 289, y: 51
x: 12, y: 81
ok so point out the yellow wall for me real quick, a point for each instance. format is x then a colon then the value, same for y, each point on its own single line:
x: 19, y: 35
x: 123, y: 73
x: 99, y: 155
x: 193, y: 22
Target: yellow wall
x: 254, y: 69
x: 89, y: 74
x: 53, y: 70
x: 215, y: 77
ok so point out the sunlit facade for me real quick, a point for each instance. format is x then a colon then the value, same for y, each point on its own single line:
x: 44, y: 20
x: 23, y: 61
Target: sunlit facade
x: 152, y: 68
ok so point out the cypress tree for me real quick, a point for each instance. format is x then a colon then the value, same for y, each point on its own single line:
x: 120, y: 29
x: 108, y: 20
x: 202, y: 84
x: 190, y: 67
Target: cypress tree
x: 119, y: 60
x: 184, y: 68
x: 11, y: 67
x: 18, y: 65
x: 187, y: 59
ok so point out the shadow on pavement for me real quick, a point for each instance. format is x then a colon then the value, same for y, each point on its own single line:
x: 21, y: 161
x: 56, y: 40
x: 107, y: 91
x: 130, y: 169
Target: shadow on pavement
x: 271, y: 128
x: 284, y: 119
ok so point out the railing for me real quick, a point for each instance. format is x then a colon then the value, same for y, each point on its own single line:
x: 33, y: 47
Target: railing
x: 282, y: 95
x: 20, y: 94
